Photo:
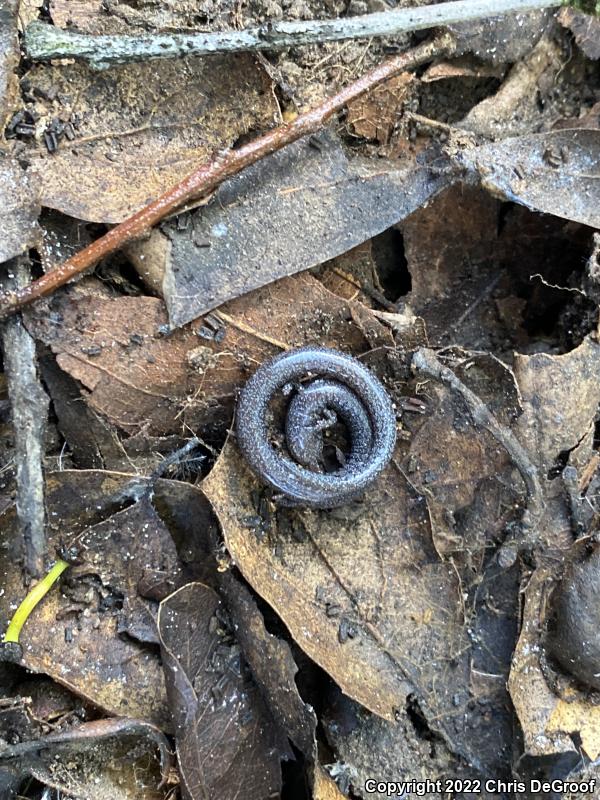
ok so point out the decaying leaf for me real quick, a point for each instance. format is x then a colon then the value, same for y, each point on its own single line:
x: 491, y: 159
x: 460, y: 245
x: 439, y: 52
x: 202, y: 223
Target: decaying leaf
x: 120, y: 758
x: 391, y: 629
x: 20, y: 209
x: 449, y: 246
x: 374, y: 115
x: 556, y: 173
x: 133, y: 372
x: 300, y: 580
x: 272, y: 664
x: 226, y: 742
x: 560, y: 399
x: 585, y: 28
x: 367, y: 745
x: 91, y: 441
x: 502, y: 39
x: 88, y: 634
x: 118, y: 148
x: 291, y: 211
x: 534, y: 700
x: 145, y: 380
x: 462, y: 476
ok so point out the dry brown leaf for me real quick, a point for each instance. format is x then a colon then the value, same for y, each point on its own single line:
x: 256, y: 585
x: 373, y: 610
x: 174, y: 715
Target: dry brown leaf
x: 348, y: 274
x: 449, y: 244
x: 132, y: 372
x: 324, y: 787
x: 402, y: 608
x: 502, y: 39
x: 130, y: 146
x: 367, y: 746
x: 289, y: 212
x: 546, y: 720
x: 144, y: 380
x: 555, y: 172
x: 585, y: 28
x: 124, y: 759
x: 458, y: 470
x: 74, y: 635
x: 374, y: 115
x: 227, y: 745
x: 580, y: 718
x: 589, y: 118
x: 560, y: 399
x: 272, y: 665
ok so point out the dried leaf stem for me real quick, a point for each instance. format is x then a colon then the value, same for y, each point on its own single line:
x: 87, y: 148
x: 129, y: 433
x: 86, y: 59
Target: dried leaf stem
x: 31, y: 599
x: 211, y: 174
x: 43, y: 41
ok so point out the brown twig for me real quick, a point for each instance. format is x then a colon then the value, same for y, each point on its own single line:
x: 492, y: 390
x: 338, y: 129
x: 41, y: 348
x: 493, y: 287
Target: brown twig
x: 212, y: 173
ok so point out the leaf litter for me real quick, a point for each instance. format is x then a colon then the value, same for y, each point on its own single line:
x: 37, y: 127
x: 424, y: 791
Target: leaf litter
x: 132, y: 758
x: 226, y: 741
x: 127, y: 147
x: 442, y: 626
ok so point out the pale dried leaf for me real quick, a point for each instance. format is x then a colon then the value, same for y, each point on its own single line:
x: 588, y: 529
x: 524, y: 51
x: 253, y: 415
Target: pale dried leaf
x: 556, y: 173
x: 131, y: 146
x: 407, y: 617
x: 560, y: 399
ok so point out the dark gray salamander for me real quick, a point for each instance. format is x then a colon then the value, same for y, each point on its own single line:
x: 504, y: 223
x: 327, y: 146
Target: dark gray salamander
x: 341, y: 386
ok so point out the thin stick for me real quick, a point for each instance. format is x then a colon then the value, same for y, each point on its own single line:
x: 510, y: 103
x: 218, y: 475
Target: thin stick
x: 43, y: 41
x: 29, y: 410
x: 212, y: 173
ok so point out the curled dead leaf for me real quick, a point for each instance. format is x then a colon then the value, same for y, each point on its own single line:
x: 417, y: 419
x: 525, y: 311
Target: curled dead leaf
x: 226, y: 743
x: 556, y: 172
x: 120, y: 758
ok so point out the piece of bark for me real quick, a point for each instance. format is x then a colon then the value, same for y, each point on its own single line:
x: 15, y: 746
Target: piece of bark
x: 29, y: 408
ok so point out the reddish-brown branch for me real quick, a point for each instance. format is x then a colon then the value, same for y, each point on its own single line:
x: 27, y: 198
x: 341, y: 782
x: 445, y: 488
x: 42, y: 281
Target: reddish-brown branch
x: 211, y: 174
